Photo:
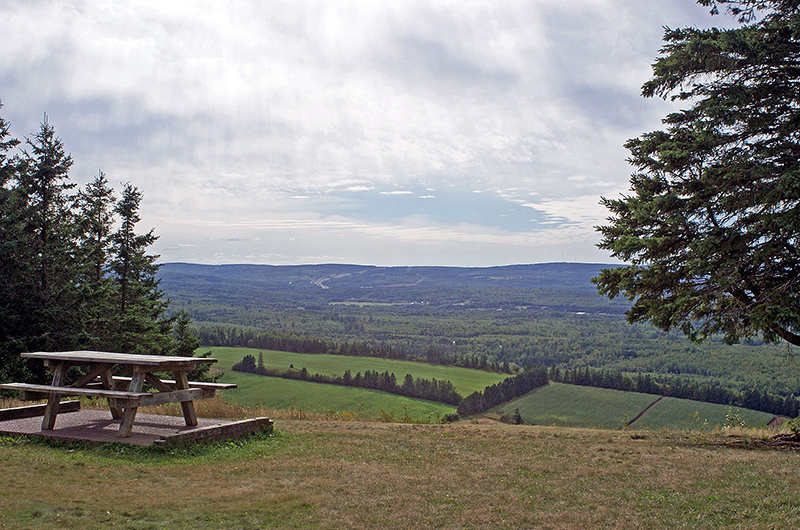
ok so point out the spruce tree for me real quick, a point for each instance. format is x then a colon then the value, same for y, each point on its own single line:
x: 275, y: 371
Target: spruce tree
x: 95, y: 223
x: 710, y: 229
x: 141, y: 325
x: 45, y: 247
x: 67, y: 279
x: 10, y: 343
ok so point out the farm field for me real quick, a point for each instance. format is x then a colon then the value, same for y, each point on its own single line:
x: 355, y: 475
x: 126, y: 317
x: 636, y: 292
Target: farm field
x: 556, y: 404
x: 348, y: 475
x: 579, y: 406
x: 676, y: 413
x: 465, y: 380
x: 334, y: 400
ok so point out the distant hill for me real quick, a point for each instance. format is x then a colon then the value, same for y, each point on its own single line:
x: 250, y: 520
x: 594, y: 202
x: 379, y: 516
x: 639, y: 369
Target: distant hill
x: 560, y: 285
x: 548, y: 313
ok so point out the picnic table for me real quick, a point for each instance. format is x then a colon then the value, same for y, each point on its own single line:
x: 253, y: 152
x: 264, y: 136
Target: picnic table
x: 125, y: 394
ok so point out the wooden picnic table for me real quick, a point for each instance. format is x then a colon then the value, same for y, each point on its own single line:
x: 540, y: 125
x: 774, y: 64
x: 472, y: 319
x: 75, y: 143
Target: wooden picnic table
x: 125, y: 394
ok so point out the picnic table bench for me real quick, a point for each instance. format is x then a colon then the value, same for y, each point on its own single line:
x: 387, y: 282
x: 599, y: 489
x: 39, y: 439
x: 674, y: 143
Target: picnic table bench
x: 125, y: 394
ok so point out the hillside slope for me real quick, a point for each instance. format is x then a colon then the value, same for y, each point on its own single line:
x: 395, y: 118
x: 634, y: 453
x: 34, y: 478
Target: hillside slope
x: 565, y: 286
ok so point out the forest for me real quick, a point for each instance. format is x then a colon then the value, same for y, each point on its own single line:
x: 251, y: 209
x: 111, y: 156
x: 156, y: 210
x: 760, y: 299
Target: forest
x: 76, y: 268
x: 463, y: 321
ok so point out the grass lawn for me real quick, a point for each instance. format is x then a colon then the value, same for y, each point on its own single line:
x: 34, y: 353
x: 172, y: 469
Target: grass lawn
x: 277, y: 393
x: 465, y: 380
x: 348, y: 475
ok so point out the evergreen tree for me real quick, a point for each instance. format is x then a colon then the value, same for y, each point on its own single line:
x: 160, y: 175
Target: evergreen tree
x: 94, y: 227
x: 710, y: 230
x: 46, y: 310
x: 10, y: 343
x: 141, y: 323
x: 186, y: 339
x: 66, y: 281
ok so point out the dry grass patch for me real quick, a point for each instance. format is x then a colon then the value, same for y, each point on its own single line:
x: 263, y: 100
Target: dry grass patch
x: 333, y: 474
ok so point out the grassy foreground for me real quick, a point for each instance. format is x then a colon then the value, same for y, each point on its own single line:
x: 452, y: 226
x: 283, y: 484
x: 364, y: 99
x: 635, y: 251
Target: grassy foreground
x: 318, y: 474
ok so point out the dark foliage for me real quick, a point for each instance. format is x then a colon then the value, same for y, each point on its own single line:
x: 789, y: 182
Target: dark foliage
x: 710, y: 228
x: 290, y: 342
x: 679, y: 388
x: 69, y: 278
x: 504, y: 391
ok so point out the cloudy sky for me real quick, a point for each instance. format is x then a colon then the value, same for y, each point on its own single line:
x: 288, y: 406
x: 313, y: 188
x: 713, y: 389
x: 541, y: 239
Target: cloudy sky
x: 460, y: 132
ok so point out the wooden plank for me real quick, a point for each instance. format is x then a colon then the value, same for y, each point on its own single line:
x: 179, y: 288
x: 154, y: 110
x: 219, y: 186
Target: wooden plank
x: 70, y: 391
x: 218, y: 432
x: 163, y: 362
x: 175, y: 396
x: 130, y: 412
x: 192, y: 384
x: 32, y: 411
x: 107, y: 382
x: 156, y: 383
x: 189, y: 413
x: 51, y: 410
x: 92, y: 374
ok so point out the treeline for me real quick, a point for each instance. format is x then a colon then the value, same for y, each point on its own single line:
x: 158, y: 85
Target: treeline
x: 416, y: 387
x: 535, y: 376
x: 675, y: 387
x: 504, y: 391
x: 272, y: 340
x: 75, y: 272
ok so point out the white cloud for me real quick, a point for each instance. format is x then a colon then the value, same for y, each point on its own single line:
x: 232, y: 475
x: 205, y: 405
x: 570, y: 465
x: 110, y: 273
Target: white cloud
x: 228, y: 110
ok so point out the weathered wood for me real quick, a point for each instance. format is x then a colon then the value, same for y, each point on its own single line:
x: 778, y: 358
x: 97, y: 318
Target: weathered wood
x: 159, y: 398
x: 192, y: 384
x: 92, y: 374
x: 107, y: 382
x: 157, y: 383
x: 51, y: 410
x: 71, y: 391
x: 32, y: 411
x: 123, y: 404
x: 218, y: 432
x: 130, y: 412
x: 189, y: 413
x: 159, y: 362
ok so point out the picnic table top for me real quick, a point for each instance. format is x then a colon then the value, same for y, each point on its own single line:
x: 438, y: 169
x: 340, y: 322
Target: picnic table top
x: 157, y: 361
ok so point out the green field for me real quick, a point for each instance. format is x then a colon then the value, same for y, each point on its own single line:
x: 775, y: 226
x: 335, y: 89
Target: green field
x: 465, y: 380
x: 555, y: 404
x: 277, y: 393
x: 579, y: 406
x: 676, y: 413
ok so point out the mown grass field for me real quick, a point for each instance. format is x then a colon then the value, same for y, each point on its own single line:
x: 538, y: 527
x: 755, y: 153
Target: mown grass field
x: 673, y: 413
x: 465, y: 380
x: 579, y: 406
x: 351, y: 475
x: 555, y: 404
x: 337, y: 401
x: 332, y: 400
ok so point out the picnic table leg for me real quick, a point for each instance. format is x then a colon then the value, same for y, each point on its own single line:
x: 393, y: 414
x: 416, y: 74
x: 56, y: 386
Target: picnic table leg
x: 108, y: 383
x: 189, y: 413
x: 51, y: 410
x: 137, y: 380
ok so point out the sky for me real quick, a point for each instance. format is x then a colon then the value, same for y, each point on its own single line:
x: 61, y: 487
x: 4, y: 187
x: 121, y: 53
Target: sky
x: 454, y: 133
